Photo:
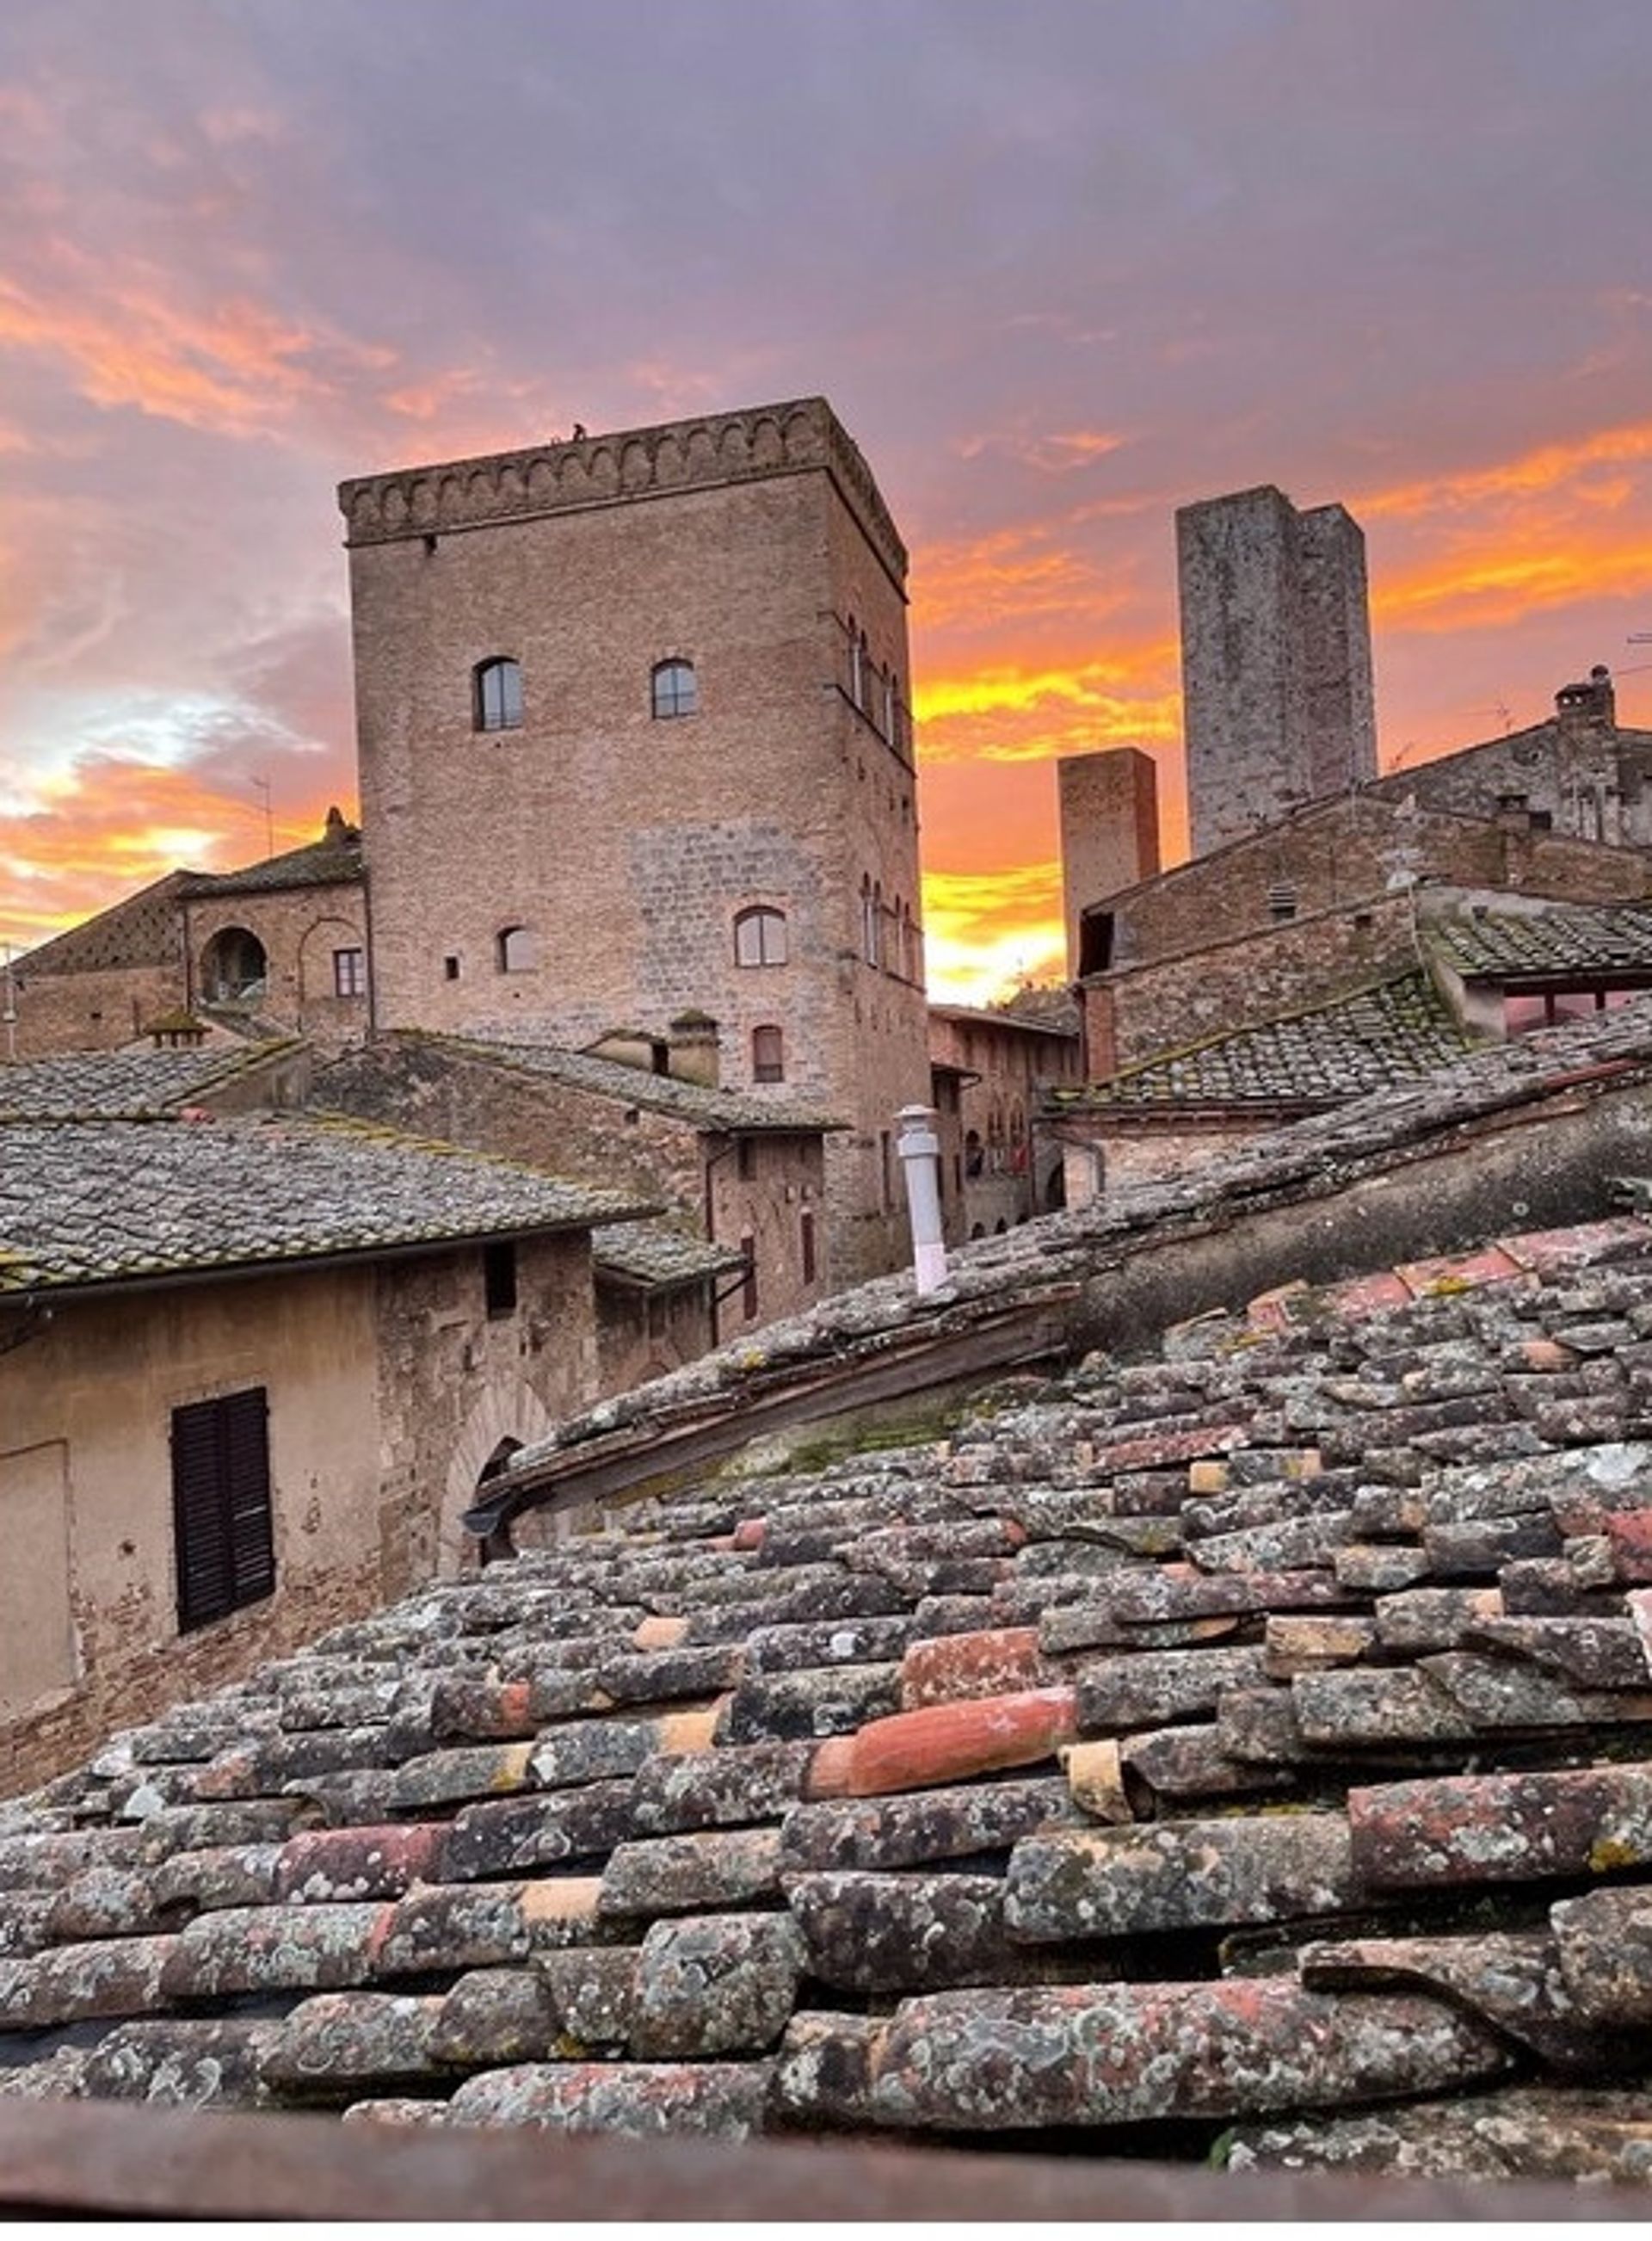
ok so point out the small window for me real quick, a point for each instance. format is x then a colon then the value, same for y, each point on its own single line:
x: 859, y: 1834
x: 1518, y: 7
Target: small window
x: 450, y: 968
x: 805, y: 1230
x: 516, y: 949
x: 748, y: 1287
x: 222, y: 1525
x: 1282, y: 901
x: 350, y: 973
x: 499, y: 695
x: 499, y: 1278
x: 759, y: 937
x: 676, y: 692
x: 768, y: 1054
x: 868, y: 923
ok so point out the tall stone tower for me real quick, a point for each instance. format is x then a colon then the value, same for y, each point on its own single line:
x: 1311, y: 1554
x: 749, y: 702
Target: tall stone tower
x: 1275, y: 660
x: 635, y: 743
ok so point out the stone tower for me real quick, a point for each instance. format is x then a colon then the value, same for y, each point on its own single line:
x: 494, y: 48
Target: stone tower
x: 1275, y: 660
x: 1109, y: 822
x: 635, y: 742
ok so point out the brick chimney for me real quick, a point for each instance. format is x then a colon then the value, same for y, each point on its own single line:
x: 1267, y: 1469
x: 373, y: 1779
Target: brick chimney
x: 1591, y: 701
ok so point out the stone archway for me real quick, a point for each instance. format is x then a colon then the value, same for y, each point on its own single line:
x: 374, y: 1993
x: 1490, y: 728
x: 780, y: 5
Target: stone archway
x: 234, y: 967
x: 509, y: 1415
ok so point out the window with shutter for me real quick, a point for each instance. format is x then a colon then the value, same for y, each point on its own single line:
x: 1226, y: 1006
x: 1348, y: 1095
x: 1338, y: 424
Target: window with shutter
x: 221, y: 1521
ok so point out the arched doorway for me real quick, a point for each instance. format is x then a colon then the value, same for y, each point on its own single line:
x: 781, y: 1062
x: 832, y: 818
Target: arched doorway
x: 233, y: 967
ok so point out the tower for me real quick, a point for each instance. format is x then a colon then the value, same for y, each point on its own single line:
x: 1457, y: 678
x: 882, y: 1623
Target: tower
x: 634, y: 736
x: 1275, y: 660
x: 1109, y: 824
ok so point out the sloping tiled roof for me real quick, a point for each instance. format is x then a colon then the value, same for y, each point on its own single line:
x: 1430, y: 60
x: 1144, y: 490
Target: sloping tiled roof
x: 652, y: 1253
x: 1253, y: 1744
x: 1392, y: 1032
x: 142, y: 930
x: 721, y: 1109
x: 320, y: 863
x: 117, y: 1085
x: 101, y: 1202
x: 1504, y: 945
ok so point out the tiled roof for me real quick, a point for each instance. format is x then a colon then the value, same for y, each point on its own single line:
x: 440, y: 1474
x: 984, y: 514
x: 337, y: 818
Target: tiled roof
x: 1064, y: 1029
x: 141, y: 930
x: 721, y: 1109
x: 117, y: 1085
x: 652, y: 1253
x: 1504, y: 945
x: 318, y: 864
x: 1392, y: 1032
x: 1254, y: 1742
x: 101, y: 1202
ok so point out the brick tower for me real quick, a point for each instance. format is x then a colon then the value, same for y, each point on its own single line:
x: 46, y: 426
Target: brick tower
x: 1275, y: 660
x: 634, y: 736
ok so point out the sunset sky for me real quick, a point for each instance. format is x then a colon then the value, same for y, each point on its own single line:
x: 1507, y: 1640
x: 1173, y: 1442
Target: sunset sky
x: 1060, y: 266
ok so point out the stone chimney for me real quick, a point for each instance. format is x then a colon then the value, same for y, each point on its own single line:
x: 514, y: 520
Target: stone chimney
x: 694, y: 1050
x: 1590, y: 701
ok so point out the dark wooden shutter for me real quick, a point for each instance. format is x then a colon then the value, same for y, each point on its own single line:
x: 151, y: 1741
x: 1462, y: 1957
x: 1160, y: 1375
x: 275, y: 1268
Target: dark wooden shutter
x: 221, y: 1513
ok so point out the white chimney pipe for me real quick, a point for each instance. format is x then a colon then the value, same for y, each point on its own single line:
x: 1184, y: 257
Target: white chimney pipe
x: 919, y: 1150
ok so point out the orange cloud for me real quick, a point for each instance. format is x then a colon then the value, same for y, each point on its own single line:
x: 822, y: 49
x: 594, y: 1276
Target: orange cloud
x: 1547, y: 467
x: 111, y: 827
x: 1500, y: 582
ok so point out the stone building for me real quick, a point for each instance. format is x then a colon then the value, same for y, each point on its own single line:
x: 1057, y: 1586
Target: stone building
x: 1003, y: 1059
x: 634, y: 740
x: 1275, y: 660
x: 742, y: 1179
x: 252, y: 1372
x: 278, y: 948
x: 1107, y: 808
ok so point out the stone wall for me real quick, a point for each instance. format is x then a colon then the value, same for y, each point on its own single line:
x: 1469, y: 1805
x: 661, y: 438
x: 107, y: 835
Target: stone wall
x: 300, y: 928
x: 1349, y: 851
x: 61, y: 1011
x: 1154, y: 1009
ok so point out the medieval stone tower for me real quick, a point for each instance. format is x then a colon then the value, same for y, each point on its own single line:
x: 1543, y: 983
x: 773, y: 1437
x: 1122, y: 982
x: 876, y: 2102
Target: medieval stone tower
x: 1275, y: 660
x: 635, y: 743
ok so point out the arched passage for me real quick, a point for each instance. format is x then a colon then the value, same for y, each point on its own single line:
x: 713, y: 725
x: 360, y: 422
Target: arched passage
x: 234, y: 967
x: 509, y: 1415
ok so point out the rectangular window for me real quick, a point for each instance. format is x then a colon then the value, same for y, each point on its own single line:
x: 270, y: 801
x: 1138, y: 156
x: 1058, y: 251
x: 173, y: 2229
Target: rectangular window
x: 350, y: 973
x: 748, y: 1289
x: 222, y: 1525
x: 499, y: 1278
x: 807, y: 1231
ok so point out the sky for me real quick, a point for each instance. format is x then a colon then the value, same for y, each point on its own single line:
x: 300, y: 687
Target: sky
x: 1060, y: 266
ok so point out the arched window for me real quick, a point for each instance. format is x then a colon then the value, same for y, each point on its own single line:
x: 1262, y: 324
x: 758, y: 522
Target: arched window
x: 675, y: 692
x: 768, y: 1054
x: 516, y: 949
x: 875, y: 955
x: 868, y: 922
x: 896, y: 727
x: 759, y: 937
x: 497, y: 686
x: 889, y: 705
x: 234, y: 967
x: 857, y: 664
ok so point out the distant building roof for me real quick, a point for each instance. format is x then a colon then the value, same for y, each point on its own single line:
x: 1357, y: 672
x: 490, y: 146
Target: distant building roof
x: 1392, y: 1032
x: 725, y: 1110
x: 95, y: 1201
x: 653, y: 1254
x: 1500, y: 945
x: 1026, y: 1023
x: 142, y: 930
x: 123, y: 1084
x: 334, y: 857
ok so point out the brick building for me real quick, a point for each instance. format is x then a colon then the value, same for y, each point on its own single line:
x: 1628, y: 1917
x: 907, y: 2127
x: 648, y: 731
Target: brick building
x: 280, y: 946
x: 1000, y: 1175
x: 634, y: 740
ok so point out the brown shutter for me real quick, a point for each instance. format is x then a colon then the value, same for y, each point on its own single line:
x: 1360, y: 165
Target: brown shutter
x: 221, y: 1512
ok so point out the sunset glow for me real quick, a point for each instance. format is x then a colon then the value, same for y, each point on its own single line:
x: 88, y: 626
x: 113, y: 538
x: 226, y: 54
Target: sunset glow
x: 1058, y: 273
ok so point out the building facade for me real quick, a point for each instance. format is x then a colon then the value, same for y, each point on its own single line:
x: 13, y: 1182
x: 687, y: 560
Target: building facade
x: 1275, y: 660
x: 634, y: 741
